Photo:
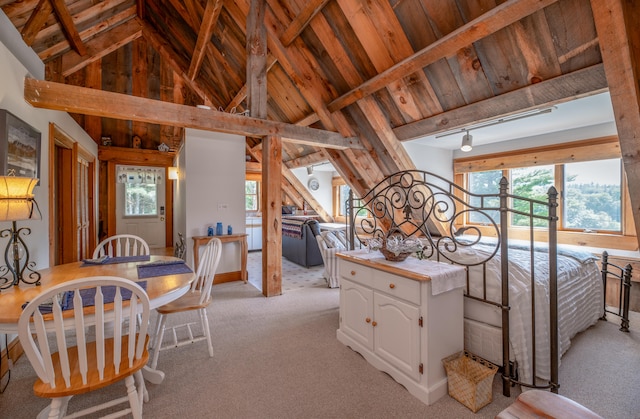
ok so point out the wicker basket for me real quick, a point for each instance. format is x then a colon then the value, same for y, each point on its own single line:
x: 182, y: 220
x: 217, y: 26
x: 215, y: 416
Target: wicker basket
x: 389, y: 255
x: 470, y: 380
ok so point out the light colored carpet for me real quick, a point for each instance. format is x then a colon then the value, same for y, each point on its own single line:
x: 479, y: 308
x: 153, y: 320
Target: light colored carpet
x: 279, y: 357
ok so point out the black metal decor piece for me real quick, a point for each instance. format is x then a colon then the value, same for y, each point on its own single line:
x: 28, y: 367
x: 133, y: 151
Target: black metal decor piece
x: 623, y: 275
x: 14, y: 270
x: 430, y: 207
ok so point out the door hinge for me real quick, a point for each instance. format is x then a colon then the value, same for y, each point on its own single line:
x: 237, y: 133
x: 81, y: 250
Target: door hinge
x: 420, y: 322
x: 421, y: 368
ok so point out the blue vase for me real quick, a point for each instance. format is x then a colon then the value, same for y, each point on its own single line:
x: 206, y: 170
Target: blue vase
x: 219, y: 229
x: 210, y: 231
x: 229, y: 230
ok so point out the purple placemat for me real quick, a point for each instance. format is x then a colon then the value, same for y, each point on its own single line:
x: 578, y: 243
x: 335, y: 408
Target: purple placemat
x: 88, y: 297
x: 162, y: 268
x: 106, y: 260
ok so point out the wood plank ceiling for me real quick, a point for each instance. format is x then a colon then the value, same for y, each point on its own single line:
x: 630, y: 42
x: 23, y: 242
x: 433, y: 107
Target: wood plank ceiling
x: 377, y: 72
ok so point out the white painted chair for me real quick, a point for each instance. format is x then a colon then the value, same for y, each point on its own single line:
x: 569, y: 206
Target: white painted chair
x: 68, y: 360
x: 197, y: 299
x: 121, y: 245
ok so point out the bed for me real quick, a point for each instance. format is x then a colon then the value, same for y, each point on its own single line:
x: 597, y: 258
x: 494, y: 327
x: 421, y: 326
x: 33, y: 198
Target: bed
x: 499, y: 303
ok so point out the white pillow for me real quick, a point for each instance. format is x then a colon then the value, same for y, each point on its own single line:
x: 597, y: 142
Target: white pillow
x: 332, y: 241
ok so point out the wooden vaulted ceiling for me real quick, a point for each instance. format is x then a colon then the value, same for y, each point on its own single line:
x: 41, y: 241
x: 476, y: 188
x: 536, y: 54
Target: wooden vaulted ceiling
x: 377, y: 73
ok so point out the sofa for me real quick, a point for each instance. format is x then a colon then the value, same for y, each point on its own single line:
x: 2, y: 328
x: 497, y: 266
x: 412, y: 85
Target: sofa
x: 299, y: 243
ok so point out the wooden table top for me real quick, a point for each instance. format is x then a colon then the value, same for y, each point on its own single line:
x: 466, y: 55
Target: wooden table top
x: 161, y: 289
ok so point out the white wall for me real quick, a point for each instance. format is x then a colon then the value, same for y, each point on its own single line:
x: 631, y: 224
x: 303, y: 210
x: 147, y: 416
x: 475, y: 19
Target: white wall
x: 214, y: 173
x: 12, y: 74
x: 180, y: 202
x: 323, y: 194
x: 431, y: 159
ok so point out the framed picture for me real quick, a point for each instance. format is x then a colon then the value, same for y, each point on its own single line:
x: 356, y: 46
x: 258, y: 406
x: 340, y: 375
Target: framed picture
x: 19, y: 147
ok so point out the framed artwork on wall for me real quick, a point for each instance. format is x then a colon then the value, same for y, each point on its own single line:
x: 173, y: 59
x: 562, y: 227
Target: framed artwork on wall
x: 19, y: 147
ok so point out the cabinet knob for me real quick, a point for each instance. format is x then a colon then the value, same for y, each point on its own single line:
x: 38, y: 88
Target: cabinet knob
x: 392, y: 285
x: 374, y: 324
x: 353, y: 273
x: 368, y: 320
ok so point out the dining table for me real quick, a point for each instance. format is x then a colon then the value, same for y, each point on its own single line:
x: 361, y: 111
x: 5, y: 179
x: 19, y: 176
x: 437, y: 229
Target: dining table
x: 162, y: 288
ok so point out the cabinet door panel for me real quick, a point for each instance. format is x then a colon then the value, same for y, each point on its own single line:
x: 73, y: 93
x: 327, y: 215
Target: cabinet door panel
x: 355, y: 309
x: 397, y: 334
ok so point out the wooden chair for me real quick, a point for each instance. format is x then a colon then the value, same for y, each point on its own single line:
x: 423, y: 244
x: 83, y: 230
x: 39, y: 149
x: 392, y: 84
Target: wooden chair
x: 121, y: 245
x: 197, y: 299
x: 81, y: 363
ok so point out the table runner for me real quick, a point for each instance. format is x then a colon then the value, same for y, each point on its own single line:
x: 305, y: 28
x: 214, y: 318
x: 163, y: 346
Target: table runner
x: 107, y: 260
x: 170, y: 267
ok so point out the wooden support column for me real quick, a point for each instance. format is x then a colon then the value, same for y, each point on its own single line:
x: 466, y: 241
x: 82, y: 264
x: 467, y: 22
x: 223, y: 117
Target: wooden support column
x: 616, y: 22
x: 271, y: 205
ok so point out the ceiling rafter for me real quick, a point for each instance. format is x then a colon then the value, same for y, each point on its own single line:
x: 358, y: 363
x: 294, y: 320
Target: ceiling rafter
x: 68, y: 27
x: 302, y: 20
x: 211, y: 13
x: 495, y: 19
x: 35, y: 22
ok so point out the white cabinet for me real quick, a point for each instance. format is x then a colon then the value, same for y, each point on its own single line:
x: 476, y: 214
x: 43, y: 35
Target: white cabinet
x: 388, y: 315
x: 254, y: 233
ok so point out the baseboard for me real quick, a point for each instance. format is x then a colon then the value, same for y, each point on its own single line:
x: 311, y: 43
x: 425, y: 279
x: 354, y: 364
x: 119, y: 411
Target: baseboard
x: 15, y: 352
x: 227, y: 277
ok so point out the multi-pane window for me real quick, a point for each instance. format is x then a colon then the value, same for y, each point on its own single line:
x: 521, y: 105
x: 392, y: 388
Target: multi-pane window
x: 589, y: 194
x: 140, y: 199
x: 252, y: 195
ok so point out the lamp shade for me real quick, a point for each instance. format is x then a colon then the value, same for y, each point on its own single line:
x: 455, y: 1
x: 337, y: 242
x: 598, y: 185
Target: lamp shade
x: 173, y: 173
x: 466, y: 142
x: 16, y: 198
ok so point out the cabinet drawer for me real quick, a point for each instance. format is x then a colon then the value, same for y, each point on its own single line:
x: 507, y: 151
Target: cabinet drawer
x: 355, y: 272
x: 397, y: 286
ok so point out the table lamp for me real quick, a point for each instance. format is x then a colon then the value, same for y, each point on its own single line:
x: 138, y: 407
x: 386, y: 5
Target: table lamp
x: 16, y: 204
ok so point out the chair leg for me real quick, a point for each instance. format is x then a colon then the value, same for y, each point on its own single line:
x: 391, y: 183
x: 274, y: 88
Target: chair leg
x: 57, y: 409
x: 157, y: 344
x: 136, y: 406
x: 205, y: 326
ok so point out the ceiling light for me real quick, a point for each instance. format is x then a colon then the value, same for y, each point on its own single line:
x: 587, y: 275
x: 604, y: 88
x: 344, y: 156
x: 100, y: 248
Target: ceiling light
x: 466, y: 142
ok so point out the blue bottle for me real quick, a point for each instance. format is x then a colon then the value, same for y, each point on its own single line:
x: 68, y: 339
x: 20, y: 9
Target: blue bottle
x: 229, y: 230
x: 210, y: 231
x: 219, y: 229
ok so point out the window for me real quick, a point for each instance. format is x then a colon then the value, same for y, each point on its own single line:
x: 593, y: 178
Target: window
x: 140, y: 199
x: 343, y: 196
x: 593, y: 200
x: 484, y: 183
x: 252, y: 195
x: 592, y: 195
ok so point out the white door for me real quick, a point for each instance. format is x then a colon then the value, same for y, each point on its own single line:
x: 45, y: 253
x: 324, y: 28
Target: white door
x: 141, y: 217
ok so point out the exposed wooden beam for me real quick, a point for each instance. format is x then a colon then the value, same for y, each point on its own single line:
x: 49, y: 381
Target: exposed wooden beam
x: 101, y: 45
x: 495, y: 19
x: 242, y: 93
x: 211, y: 13
x: 560, y: 89
x: 63, y: 97
x: 301, y: 21
x: 307, y: 160
x: 271, y: 206
x: 68, y: 27
x: 257, y: 60
x: 36, y: 21
x: 616, y: 23
x: 174, y: 61
x: 105, y: 25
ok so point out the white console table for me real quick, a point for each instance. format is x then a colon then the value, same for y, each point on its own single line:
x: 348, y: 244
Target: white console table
x: 402, y: 317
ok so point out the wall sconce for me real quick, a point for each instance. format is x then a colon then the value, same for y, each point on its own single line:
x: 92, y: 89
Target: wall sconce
x: 17, y: 203
x: 173, y: 173
x: 466, y: 142
x: 309, y: 170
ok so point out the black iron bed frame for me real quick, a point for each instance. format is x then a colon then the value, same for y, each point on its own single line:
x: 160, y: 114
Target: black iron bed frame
x: 425, y: 205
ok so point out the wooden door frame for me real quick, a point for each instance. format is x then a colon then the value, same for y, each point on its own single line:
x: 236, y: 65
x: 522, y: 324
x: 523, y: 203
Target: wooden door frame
x: 113, y: 156
x: 59, y: 138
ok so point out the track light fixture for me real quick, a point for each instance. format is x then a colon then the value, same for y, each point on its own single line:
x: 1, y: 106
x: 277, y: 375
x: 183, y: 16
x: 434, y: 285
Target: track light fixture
x: 309, y: 170
x: 466, y: 142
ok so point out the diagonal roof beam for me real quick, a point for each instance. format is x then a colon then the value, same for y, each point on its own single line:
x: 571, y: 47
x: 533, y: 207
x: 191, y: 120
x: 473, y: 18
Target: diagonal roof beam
x: 301, y: 21
x: 68, y: 27
x: 76, y: 99
x: 495, y: 19
x: 35, y: 22
x: 211, y: 13
x: 581, y: 83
